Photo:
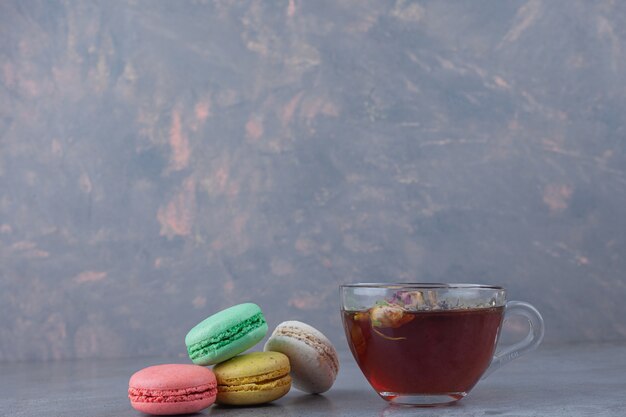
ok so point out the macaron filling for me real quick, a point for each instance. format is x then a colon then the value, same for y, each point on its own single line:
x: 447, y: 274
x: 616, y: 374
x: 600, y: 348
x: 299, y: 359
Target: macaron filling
x: 147, y: 395
x: 312, y: 341
x: 238, y: 331
x: 259, y: 383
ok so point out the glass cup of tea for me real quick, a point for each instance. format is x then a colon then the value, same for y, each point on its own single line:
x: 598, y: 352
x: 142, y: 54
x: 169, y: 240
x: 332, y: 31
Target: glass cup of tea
x: 429, y: 344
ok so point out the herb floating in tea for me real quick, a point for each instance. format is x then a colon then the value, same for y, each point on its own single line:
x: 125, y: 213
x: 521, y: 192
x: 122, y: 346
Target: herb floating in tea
x: 389, y: 315
x: 386, y: 315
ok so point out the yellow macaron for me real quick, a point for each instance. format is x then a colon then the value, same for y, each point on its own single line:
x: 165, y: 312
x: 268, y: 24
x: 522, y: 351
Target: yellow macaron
x: 252, y: 378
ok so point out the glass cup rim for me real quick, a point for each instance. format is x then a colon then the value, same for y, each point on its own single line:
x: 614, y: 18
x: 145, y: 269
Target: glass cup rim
x: 420, y: 285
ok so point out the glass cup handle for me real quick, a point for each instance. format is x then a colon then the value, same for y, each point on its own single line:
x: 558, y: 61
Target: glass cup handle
x: 530, y: 342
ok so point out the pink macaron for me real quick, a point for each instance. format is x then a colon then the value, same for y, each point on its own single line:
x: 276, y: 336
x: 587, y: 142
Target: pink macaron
x: 172, y: 389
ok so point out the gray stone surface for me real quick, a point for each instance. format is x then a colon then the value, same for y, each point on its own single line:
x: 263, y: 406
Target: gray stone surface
x: 567, y: 381
x: 161, y: 160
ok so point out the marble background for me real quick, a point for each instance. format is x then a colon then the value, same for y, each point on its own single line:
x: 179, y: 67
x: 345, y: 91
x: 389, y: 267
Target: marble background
x: 162, y: 160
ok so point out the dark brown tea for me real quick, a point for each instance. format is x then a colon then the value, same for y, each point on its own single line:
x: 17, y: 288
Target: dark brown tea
x: 440, y: 352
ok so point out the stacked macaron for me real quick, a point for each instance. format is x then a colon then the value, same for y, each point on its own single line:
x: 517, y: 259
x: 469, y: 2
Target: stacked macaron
x: 226, y: 334
x: 295, y: 351
x: 312, y: 356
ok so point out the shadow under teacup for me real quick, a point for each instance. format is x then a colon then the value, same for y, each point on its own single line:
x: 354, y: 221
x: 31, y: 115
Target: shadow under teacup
x: 429, y: 344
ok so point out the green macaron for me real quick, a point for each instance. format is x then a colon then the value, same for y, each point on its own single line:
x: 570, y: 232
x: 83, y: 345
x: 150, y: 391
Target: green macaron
x: 226, y: 334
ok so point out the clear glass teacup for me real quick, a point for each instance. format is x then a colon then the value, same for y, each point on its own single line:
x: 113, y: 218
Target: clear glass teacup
x: 429, y: 344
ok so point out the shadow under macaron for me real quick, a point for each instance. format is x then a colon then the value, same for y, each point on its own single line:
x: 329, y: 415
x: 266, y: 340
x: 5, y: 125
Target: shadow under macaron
x: 319, y: 401
x: 268, y: 409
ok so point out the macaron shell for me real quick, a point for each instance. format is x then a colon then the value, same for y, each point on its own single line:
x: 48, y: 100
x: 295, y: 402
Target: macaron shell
x: 313, y: 359
x: 171, y: 377
x: 168, y: 409
x: 250, y: 365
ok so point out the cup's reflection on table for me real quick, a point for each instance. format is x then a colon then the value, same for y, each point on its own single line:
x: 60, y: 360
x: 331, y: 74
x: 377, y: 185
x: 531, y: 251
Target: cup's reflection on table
x: 429, y: 344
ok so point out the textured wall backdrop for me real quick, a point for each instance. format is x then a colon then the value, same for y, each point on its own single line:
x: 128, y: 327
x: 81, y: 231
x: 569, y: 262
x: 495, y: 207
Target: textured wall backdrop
x: 161, y: 160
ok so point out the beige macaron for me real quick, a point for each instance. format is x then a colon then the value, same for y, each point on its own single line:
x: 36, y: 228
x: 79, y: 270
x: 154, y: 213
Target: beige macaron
x: 313, y: 358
